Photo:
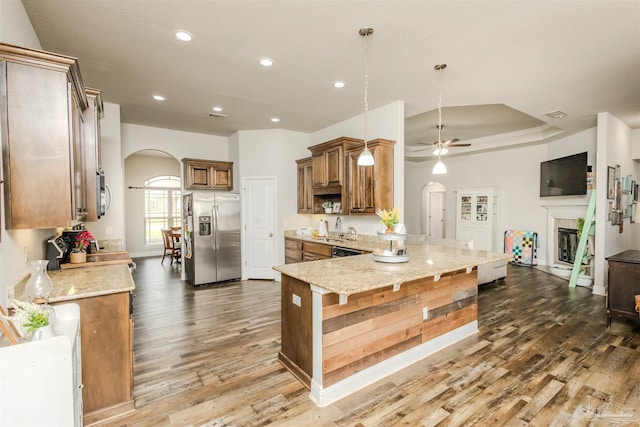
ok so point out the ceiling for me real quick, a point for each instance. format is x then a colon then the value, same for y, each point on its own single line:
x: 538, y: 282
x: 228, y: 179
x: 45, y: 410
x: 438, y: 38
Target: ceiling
x: 508, y: 63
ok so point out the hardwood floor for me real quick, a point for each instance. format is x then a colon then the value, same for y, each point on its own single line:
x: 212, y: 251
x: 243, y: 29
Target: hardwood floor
x: 543, y: 357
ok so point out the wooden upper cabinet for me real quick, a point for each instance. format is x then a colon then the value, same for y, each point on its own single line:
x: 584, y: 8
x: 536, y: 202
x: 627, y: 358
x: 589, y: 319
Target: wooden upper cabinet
x: 92, y: 147
x: 208, y: 175
x: 370, y: 187
x: 305, y: 186
x: 328, y: 161
x: 41, y: 102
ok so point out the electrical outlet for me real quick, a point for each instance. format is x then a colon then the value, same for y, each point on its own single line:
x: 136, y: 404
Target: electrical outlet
x: 108, y: 230
x: 297, y: 300
x: 425, y: 313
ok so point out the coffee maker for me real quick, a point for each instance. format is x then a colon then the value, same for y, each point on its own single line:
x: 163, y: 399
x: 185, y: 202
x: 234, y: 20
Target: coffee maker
x: 58, y: 249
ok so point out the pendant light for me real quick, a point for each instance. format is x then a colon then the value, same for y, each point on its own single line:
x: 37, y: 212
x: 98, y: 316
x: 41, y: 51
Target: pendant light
x: 439, y: 168
x: 365, y: 158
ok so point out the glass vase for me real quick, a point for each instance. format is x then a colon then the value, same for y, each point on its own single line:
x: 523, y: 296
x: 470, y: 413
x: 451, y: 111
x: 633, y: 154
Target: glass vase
x: 39, y: 284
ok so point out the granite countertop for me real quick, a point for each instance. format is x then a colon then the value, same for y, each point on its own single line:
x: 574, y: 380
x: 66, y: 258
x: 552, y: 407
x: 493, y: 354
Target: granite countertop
x: 360, y: 273
x: 85, y: 282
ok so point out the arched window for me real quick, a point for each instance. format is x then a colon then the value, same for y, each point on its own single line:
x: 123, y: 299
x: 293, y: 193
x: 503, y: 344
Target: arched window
x: 162, y: 207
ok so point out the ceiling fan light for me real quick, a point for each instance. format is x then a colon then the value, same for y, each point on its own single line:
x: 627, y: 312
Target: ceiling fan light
x: 440, y: 151
x: 365, y: 158
x: 439, y: 168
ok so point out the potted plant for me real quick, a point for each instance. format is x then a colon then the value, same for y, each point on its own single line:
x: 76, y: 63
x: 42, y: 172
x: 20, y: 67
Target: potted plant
x: 327, y: 205
x: 389, y: 218
x: 34, y: 317
x: 79, y: 252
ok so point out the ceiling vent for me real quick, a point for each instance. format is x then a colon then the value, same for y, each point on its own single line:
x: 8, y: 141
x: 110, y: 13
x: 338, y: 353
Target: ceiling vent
x: 556, y: 114
x: 217, y: 115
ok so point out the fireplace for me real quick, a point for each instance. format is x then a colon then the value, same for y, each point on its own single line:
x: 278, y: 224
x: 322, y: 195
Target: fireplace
x: 567, y: 244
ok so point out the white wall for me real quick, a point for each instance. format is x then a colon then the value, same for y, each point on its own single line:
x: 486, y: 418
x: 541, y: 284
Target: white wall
x: 614, y: 148
x: 138, y: 168
x: 111, y: 225
x: 515, y: 173
x: 385, y: 122
x: 272, y: 153
x: 17, y: 246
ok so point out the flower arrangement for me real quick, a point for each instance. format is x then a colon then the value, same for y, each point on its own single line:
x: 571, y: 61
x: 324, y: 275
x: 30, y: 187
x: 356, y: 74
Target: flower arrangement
x: 327, y: 204
x: 83, y: 240
x: 31, y: 316
x: 388, y: 218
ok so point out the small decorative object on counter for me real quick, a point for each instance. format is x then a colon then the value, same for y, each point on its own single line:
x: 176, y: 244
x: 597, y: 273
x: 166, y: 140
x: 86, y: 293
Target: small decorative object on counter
x: 39, y: 284
x: 327, y: 205
x: 79, y: 253
x: 35, y: 318
x: 389, y: 218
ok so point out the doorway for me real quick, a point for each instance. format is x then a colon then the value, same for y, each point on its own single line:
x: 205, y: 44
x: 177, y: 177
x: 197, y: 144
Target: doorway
x: 433, y: 221
x: 259, y: 209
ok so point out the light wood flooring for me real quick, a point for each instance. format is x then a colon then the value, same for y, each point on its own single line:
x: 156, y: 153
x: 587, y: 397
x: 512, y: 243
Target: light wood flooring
x: 543, y: 357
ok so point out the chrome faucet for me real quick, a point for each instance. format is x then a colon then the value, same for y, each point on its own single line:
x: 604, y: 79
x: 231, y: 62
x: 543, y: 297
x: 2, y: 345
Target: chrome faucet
x: 338, y: 224
x: 352, y: 234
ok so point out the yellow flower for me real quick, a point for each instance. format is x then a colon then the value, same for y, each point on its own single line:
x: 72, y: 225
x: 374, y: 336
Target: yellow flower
x: 388, y: 218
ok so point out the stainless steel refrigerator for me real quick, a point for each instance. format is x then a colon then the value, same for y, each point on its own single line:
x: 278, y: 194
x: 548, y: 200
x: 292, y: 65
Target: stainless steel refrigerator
x: 211, y: 224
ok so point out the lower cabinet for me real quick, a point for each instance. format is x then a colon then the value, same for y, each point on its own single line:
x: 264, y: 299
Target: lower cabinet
x: 314, y: 251
x: 624, y: 284
x: 292, y: 251
x: 107, y: 356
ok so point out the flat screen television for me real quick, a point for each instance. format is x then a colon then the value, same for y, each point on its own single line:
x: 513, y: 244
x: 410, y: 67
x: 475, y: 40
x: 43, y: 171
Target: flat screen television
x: 565, y: 176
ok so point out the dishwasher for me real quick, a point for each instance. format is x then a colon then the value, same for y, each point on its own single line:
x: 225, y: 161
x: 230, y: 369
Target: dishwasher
x: 338, y: 252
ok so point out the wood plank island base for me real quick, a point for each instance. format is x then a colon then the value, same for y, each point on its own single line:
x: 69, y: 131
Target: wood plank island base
x: 349, y: 322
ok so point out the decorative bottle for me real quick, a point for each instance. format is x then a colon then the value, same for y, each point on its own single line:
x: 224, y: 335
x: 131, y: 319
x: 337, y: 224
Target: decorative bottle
x: 39, y: 284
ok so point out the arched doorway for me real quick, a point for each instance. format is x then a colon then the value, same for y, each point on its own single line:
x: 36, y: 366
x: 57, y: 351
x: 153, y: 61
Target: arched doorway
x: 433, y: 222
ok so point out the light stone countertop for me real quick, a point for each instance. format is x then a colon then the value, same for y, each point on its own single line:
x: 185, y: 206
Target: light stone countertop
x: 350, y: 275
x: 85, y: 282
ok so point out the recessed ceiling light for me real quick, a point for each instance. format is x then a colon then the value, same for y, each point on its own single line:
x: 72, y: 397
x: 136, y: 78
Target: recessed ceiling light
x: 218, y: 109
x: 159, y: 97
x: 184, y: 36
x: 556, y: 114
x: 275, y: 119
x: 339, y: 85
x: 266, y: 62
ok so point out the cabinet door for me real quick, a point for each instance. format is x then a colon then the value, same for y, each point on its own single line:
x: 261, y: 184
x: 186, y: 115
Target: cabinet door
x: 334, y: 165
x: 36, y: 146
x: 305, y: 186
x: 79, y: 195
x: 91, y: 140
x: 318, y: 167
x: 198, y: 176
x: 624, y: 284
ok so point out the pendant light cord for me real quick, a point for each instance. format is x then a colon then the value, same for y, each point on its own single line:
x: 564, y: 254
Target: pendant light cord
x: 366, y: 86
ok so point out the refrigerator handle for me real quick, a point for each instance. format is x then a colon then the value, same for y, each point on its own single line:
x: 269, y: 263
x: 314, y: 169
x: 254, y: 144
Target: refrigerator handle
x: 216, y: 231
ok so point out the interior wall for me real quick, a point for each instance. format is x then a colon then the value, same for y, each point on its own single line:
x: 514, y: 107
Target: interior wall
x: 111, y: 225
x: 385, y: 122
x: 17, y: 247
x: 137, y: 168
x: 515, y: 173
x: 614, y: 148
x: 272, y: 153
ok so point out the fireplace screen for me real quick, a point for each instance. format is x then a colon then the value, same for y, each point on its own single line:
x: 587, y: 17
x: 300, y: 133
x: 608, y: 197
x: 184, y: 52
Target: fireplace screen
x: 567, y: 244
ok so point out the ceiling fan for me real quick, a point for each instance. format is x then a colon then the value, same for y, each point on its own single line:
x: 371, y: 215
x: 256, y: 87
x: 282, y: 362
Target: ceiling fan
x: 442, y: 144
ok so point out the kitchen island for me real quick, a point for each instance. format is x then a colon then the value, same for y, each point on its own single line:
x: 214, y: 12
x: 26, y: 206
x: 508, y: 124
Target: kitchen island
x: 348, y: 322
x: 103, y: 294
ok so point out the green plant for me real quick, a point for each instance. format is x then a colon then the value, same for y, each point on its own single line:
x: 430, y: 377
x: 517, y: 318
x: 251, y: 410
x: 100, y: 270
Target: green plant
x: 83, y: 240
x: 327, y: 204
x: 30, y: 315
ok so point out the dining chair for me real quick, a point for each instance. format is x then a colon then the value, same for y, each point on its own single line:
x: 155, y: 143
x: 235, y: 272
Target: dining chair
x: 170, y: 247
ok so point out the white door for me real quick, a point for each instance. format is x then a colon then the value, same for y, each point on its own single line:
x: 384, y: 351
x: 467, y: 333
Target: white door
x: 259, y: 209
x: 436, y: 215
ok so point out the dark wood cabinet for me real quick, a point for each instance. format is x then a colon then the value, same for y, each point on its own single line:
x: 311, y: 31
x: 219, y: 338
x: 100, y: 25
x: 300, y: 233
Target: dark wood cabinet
x: 624, y: 284
x: 41, y: 103
x: 305, y: 186
x: 208, y: 174
x: 292, y: 251
x: 370, y: 187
